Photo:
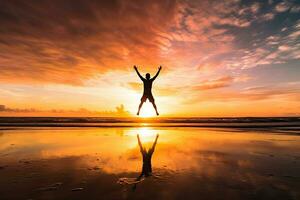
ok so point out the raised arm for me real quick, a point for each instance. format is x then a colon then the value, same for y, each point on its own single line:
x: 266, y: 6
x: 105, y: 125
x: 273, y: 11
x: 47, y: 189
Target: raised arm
x: 154, y: 77
x: 140, y: 144
x: 154, y: 144
x: 138, y: 73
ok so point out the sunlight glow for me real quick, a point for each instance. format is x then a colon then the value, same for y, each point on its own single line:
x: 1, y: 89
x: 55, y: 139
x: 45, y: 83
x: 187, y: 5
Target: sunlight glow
x: 147, y: 135
x: 147, y: 110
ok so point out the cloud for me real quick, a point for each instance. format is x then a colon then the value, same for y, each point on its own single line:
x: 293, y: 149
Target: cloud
x: 267, y: 16
x: 284, y: 48
x: 274, y: 49
x: 135, y: 86
x: 119, y: 111
x: 284, y: 92
x: 160, y: 91
x: 216, y: 26
x: 243, y: 78
x: 73, y: 43
x: 215, y: 83
x: 266, y: 92
x: 295, y: 9
x: 70, y: 42
x: 282, y: 6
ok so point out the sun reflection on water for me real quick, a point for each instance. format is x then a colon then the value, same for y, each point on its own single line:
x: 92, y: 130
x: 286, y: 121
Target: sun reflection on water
x: 146, y: 134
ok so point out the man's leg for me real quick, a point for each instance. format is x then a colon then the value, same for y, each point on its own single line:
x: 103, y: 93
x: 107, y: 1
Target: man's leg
x: 140, y: 106
x: 143, y: 100
x: 153, y: 103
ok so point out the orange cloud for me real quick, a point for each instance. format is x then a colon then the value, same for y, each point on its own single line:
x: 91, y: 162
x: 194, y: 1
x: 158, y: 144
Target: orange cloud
x: 215, y: 83
x: 86, y: 49
x: 74, y: 42
x: 64, y: 42
x: 161, y: 91
x: 285, y: 92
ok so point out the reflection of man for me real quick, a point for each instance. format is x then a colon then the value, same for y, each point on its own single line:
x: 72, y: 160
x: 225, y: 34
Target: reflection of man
x: 147, y: 156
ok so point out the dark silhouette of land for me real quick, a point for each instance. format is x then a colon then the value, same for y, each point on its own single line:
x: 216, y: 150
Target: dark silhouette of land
x: 147, y: 89
x: 147, y: 156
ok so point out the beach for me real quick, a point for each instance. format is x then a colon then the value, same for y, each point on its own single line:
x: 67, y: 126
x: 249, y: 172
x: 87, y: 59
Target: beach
x: 42, y: 162
x: 150, y: 100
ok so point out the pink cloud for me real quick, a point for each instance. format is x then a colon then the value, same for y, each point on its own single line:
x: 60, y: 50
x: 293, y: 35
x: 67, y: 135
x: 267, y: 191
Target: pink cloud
x: 215, y: 83
x: 282, y: 6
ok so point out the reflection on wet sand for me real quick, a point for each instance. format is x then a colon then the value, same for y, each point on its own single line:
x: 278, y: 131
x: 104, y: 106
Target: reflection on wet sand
x: 147, y: 156
x: 189, y: 163
x: 147, y: 165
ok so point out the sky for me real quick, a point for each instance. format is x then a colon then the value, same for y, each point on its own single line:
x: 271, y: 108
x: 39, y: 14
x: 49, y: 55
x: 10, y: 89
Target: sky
x: 218, y: 58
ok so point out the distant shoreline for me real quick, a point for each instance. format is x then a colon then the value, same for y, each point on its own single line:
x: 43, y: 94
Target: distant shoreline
x: 149, y: 119
x: 240, y: 122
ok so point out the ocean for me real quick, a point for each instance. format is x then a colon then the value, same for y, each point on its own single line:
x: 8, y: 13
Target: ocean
x: 242, y: 122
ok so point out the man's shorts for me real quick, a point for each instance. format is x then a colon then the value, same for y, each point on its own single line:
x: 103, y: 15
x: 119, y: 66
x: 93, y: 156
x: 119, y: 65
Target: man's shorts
x: 149, y: 97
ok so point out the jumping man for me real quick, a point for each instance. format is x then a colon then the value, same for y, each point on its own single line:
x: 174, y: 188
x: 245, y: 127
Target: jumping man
x: 147, y: 89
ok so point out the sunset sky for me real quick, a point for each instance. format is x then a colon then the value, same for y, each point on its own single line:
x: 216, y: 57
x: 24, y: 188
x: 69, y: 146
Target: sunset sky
x: 219, y: 58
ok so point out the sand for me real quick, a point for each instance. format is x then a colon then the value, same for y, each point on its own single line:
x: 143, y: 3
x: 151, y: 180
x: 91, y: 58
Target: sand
x: 188, y: 163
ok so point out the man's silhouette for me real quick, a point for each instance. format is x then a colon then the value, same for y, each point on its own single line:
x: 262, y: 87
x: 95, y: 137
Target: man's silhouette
x: 147, y: 89
x: 147, y: 156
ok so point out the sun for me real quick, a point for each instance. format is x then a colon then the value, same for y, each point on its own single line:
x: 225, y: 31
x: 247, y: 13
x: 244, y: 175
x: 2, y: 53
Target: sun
x: 147, y: 110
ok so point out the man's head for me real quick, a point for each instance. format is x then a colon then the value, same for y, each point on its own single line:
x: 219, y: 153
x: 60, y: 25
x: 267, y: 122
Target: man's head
x: 147, y: 76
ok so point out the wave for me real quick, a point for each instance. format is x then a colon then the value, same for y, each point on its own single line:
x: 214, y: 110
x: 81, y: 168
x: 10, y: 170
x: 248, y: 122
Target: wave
x: 161, y: 121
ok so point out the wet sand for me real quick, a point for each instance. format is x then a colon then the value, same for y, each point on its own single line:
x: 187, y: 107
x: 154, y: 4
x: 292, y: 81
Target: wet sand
x: 187, y: 163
